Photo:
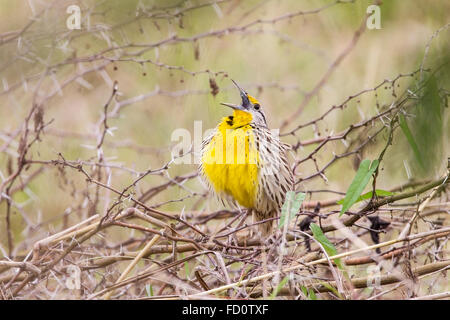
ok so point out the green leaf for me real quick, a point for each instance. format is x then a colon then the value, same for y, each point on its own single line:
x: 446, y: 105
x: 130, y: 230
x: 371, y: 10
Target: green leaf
x: 187, y: 271
x: 149, y: 290
x: 291, y: 206
x: 330, y: 249
x: 410, y: 138
x: 368, y: 195
x: 312, y: 295
x: 309, y: 294
x: 304, y: 290
x: 362, y: 177
x: 331, y: 288
x: 278, y: 288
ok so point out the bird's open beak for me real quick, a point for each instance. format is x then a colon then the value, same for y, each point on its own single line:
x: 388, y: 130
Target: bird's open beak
x: 232, y: 105
x: 245, y: 101
x: 242, y: 91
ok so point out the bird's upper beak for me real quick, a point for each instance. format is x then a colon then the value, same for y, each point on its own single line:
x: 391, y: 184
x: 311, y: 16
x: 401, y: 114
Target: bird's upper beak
x: 233, y: 106
x: 245, y: 100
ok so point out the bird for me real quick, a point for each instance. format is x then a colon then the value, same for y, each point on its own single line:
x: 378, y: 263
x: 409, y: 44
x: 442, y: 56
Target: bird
x: 245, y: 164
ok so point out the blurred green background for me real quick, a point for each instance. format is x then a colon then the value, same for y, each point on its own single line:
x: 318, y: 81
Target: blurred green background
x: 276, y: 62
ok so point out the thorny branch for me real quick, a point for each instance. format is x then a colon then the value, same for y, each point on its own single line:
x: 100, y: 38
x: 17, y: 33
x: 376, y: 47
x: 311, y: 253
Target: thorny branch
x: 119, y: 217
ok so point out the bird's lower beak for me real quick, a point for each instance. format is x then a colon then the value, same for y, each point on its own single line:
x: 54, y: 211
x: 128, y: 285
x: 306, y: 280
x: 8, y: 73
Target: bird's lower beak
x: 232, y: 105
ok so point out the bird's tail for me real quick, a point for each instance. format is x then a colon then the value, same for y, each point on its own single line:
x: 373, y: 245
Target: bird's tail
x: 264, y: 230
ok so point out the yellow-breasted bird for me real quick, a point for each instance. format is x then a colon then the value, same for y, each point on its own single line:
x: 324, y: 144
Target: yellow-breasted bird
x: 243, y: 162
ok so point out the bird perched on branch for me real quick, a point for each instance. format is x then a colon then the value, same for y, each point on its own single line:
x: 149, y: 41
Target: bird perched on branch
x: 245, y: 163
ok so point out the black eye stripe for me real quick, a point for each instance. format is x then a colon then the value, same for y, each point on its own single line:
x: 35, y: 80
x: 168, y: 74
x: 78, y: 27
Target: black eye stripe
x: 263, y: 117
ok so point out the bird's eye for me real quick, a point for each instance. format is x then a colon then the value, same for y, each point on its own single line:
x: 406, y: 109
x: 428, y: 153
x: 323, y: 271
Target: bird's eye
x: 256, y: 106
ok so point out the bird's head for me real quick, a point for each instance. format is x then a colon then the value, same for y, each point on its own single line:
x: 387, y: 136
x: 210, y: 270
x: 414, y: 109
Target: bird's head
x: 249, y: 105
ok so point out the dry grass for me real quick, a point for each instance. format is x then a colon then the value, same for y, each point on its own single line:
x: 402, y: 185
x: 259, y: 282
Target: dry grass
x: 91, y: 192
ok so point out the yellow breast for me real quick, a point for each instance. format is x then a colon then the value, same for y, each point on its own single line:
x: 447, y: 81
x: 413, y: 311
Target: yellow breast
x: 230, y: 160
